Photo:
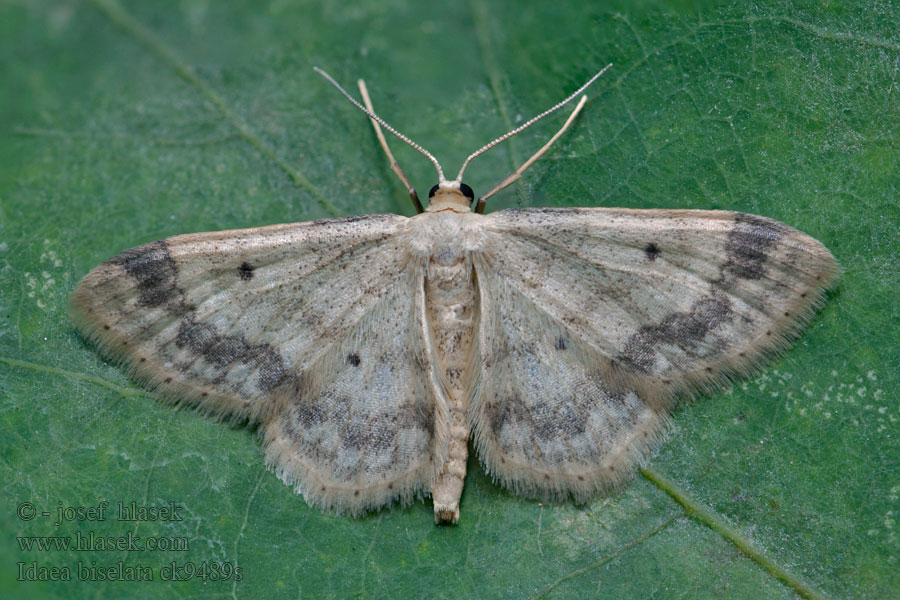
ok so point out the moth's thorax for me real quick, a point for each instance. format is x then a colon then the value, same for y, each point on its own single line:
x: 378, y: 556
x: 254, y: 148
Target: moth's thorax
x: 445, y: 236
x: 450, y: 298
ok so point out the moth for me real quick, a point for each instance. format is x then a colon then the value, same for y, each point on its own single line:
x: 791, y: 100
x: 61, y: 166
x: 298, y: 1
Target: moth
x: 369, y: 350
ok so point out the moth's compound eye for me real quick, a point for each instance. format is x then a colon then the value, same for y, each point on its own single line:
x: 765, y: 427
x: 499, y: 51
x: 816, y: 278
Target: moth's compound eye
x: 433, y: 191
x: 467, y: 192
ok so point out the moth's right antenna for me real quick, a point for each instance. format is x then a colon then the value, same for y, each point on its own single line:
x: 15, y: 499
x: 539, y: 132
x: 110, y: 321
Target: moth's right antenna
x: 479, y: 207
x: 382, y: 122
x: 515, y: 175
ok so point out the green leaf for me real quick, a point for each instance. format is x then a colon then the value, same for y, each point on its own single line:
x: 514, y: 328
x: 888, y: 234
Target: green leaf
x: 123, y: 124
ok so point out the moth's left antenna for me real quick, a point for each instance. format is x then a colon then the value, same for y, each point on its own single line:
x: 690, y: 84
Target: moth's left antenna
x: 395, y: 166
x: 376, y: 120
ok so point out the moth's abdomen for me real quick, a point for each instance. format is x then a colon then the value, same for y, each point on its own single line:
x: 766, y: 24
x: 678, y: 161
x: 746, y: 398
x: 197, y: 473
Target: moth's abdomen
x: 450, y: 296
x: 450, y: 293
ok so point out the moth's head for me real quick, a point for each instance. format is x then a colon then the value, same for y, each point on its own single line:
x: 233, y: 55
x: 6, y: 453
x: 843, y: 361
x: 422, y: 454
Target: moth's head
x: 450, y: 195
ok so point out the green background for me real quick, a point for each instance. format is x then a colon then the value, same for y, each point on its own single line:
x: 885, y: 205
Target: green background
x: 125, y: 123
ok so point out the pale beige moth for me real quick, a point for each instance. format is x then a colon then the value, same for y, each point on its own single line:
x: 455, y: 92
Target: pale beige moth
x: 369, y: 350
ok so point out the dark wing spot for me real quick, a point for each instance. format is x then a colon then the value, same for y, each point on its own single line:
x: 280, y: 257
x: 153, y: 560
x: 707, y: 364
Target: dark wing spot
x: 154, y: 272
x: 547, y: 424
x: 223, y: 350
x: 684, y: 330
x: 652, y: 251
x: 748, y: 245
x: 310, y: 414
x: 353, y: 359
x: 245, y: 271
x: 367, y: 438
x: 561, y: 343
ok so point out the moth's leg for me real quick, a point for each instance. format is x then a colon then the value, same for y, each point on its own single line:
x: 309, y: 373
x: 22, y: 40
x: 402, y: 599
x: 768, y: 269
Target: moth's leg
x: 514, y: 177
x: 395, y: 166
